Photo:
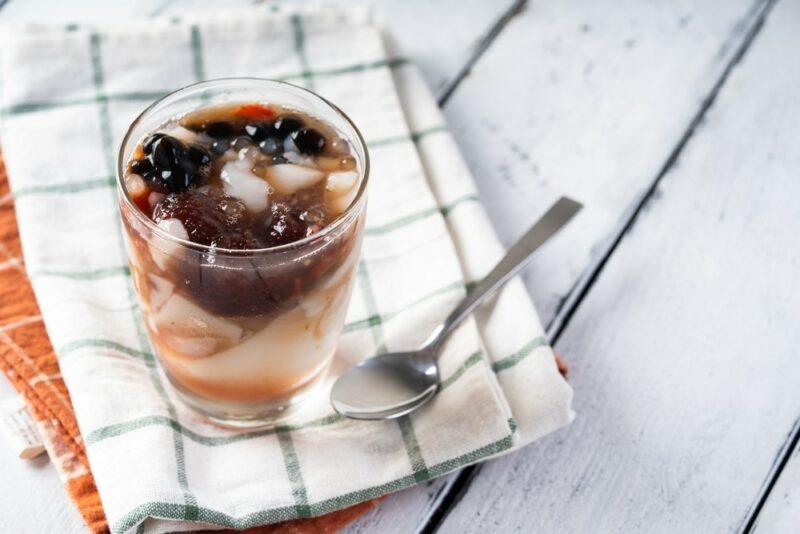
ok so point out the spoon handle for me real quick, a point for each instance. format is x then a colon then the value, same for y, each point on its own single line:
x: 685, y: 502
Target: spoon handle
x: 517, y: 256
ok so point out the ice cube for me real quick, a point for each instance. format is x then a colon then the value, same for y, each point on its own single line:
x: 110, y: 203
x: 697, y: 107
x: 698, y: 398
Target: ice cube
x: 240, y: 182
x: 160, y: 248
x: 196, y: 347
x: 135, y: 185
x: 181, y: 317
x: 340, y: 190
x: 160, y: 290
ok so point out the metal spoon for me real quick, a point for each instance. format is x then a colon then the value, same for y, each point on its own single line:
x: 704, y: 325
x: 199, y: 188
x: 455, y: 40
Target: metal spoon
x: 397, y: 383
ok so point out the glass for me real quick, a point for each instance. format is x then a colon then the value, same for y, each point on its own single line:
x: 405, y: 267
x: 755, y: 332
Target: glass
x: 243, y: 335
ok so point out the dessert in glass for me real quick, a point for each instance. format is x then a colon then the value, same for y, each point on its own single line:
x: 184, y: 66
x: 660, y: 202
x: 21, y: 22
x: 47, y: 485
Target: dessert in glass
x: 243, y: 204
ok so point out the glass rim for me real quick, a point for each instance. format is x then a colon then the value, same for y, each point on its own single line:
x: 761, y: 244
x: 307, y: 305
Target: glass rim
x: 160, y: 232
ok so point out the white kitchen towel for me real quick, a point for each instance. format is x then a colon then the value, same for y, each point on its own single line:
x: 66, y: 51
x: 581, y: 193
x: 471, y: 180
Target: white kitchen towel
x: 68, y: 95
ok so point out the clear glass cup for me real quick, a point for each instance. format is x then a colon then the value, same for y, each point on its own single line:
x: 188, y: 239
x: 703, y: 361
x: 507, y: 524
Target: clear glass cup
x: 243, y: 335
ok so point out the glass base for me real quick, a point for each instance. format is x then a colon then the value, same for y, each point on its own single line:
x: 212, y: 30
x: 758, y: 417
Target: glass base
x: 250, y: 416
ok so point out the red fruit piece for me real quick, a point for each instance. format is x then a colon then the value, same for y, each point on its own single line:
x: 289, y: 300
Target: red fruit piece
x: 256, y: 112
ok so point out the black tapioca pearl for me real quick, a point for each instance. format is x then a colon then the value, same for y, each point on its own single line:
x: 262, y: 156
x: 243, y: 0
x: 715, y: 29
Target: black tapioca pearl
x: 271, y: 146
x: 219, y: 146
x: 147, y: 146
x: 220, y: 129
x: 141, y: 167
x: 308, y: 141
x: 257, y: 131
x: 240, y: 142
x: 286, y: 125
x: 198, y: 156
x: 166, y: 152
x: 180, y: 181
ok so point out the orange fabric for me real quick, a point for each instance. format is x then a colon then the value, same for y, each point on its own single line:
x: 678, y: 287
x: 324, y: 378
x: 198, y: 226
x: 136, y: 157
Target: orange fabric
x: 28, y: 360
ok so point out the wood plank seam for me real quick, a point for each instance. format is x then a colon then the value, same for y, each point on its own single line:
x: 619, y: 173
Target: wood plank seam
x: 450, y: 494
x: 483, y: 44
x: 581, y: 288
x: 780, y: 462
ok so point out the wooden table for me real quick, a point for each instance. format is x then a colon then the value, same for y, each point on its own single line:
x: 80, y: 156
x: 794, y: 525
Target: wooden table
x: 675, y: 297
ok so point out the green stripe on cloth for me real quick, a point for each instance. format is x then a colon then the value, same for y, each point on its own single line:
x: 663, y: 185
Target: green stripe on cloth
x: 175, y: 511
x: 473, y: 359
x: 414, y: 217
x: 98, y: 78
x: 348, y: 69
x: 97, y: 274
x: 32, y: 107
x: 149, y: 96
x: 167, y: 510
x: 300, y: 51
x: 105, y: 344
x: 415, y: 137
x: 105, y: 118
x: 66, y: 187
x: 421, y: 473
x: 198, y: 64
x: 376, y: 319
x: 295, y: 475
x: 521, y: 354
x: 119, y: 429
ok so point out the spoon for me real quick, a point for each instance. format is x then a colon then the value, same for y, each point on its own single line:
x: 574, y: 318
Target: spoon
x: 397, y: 383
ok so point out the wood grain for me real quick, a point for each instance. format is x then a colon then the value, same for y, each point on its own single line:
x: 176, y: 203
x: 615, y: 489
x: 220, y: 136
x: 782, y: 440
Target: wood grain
x: 684, y: 350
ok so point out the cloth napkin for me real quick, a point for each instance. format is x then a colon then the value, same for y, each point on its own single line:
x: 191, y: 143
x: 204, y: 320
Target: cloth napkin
x: 68, y: 95
x: 29, y: 362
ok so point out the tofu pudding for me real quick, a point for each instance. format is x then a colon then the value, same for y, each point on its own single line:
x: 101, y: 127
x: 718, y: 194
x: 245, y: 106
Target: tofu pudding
x: 242, y: 204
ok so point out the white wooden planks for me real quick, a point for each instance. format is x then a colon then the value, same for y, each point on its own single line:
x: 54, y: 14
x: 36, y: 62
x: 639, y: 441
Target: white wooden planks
x: 684, y: 352
x: 586, y: 99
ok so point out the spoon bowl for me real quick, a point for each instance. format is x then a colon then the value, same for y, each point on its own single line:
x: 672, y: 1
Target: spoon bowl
x: 386, y: 386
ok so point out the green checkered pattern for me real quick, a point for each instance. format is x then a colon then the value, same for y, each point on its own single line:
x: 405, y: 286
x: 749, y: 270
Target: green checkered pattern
x: 160, y: 467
